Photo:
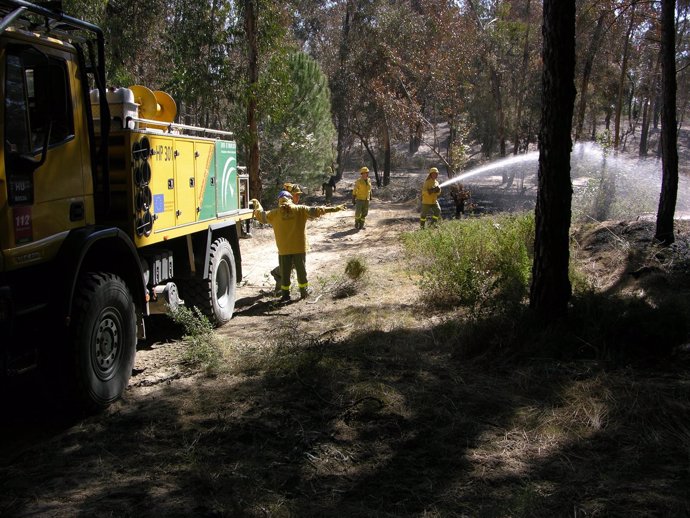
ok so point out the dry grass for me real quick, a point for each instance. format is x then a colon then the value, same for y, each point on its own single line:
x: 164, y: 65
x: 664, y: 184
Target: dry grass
x: 372, y: 406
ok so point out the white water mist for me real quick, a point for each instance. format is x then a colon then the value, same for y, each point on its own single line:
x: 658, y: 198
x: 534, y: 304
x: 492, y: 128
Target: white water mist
x: 606, y: 184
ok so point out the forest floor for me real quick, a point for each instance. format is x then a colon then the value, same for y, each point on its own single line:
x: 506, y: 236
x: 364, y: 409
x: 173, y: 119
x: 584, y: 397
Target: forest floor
x: 360, y: 406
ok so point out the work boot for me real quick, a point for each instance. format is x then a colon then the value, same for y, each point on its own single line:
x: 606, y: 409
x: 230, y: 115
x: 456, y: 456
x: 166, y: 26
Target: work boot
x: 275, y: 273
x: 304, y: 293
x: 285, y: 297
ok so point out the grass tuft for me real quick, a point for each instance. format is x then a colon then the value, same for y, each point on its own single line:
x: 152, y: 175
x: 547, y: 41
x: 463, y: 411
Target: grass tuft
x: 202, y: 349
x: 350, y: 282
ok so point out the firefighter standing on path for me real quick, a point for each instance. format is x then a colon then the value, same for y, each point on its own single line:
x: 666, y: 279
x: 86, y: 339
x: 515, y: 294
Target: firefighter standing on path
x: 361, y: 194
x: 296, y: 192
x: 430, y: 193
x: 289, y: 222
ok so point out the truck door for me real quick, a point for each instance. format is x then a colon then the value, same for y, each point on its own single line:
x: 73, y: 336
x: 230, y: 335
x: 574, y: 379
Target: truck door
x: 43, y: 157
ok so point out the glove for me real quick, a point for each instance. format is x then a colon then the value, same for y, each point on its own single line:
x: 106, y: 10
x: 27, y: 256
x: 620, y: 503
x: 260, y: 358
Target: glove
x: 256, y: 205
x: 341, y: 207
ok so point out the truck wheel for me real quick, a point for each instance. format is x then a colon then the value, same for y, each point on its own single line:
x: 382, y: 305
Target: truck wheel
x: 103, y: 339
x: 215, y: 296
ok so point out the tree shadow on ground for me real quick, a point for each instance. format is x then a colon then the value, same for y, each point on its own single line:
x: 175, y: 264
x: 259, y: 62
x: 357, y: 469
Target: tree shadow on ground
x: 389, y: 423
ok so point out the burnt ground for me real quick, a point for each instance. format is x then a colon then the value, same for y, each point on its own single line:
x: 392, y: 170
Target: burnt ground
x: 360, y: 405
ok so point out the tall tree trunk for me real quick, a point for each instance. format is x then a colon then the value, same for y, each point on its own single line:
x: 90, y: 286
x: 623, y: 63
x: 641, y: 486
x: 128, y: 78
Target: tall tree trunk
x: 523, y: 79
x: 644, y: 129
x: 621, y: 80
x: 587, y: 72
x: 416, y: 135
x: 495, y: 85
x: 372, y: 155
x: 417, y: 131
x: 250, y: 27
x: 340, y: 90
x: 551, y: 290
x: 386, y: 153
x: 669, y: 130
x: 649, y: 108
x: 500, y: 113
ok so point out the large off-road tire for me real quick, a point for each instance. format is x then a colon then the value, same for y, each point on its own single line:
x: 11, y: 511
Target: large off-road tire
x: 215, y: 296
x: 103, y: 339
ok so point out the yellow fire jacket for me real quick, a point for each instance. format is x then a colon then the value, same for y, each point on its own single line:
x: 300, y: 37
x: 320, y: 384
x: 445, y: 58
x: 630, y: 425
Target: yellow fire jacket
x: 362, y: 189
x: 289, y: 222
x: 430, y: 198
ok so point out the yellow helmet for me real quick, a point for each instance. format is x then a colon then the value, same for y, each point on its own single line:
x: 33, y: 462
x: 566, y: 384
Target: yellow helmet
x: 363, y: 170
x: 292, y: 188
x: 433, y: 170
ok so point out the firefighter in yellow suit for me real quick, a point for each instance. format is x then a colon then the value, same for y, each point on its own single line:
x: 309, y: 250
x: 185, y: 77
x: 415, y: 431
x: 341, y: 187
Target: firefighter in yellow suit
x: 296, y: 192
x: 431, y: 190
x: 289, y: 222
x: 361, y: 194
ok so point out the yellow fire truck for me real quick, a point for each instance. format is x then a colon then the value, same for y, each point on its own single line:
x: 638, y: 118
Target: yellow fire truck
x: 107, y: 208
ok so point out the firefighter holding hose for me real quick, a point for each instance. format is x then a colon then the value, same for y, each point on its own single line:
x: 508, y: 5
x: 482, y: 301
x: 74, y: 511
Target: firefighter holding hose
x: 431, y: 190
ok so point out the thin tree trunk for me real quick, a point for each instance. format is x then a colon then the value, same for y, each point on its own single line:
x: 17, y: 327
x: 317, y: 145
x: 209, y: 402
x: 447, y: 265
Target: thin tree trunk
x: 386, y: 153
x: 551, y: 290
x: 644, y: 129
x: 372, y: 155
x: 650, y: 107
x: 500, y: 113
x: 340, y: 91
x: 250, y: 27
x: 669, y: 131
x: 621, y: 80
x: 587, y: 72
x: 523, y: 79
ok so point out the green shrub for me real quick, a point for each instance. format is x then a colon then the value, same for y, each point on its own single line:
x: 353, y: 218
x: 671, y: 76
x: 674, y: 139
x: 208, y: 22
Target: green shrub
x: 202, y: 349
x: 474, y: 263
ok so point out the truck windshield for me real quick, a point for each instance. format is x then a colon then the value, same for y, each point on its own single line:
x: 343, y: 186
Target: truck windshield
x: 36, y: 100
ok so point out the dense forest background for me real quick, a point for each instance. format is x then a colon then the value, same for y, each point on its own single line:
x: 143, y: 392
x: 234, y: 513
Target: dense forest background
x: 313, y: 78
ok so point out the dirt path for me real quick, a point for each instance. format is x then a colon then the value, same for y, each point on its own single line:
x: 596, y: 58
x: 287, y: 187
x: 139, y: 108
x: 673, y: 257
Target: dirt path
x: 333, y: 241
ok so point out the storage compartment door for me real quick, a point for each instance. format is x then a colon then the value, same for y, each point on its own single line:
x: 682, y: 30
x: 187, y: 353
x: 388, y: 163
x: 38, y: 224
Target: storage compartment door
x: 185, y: 199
